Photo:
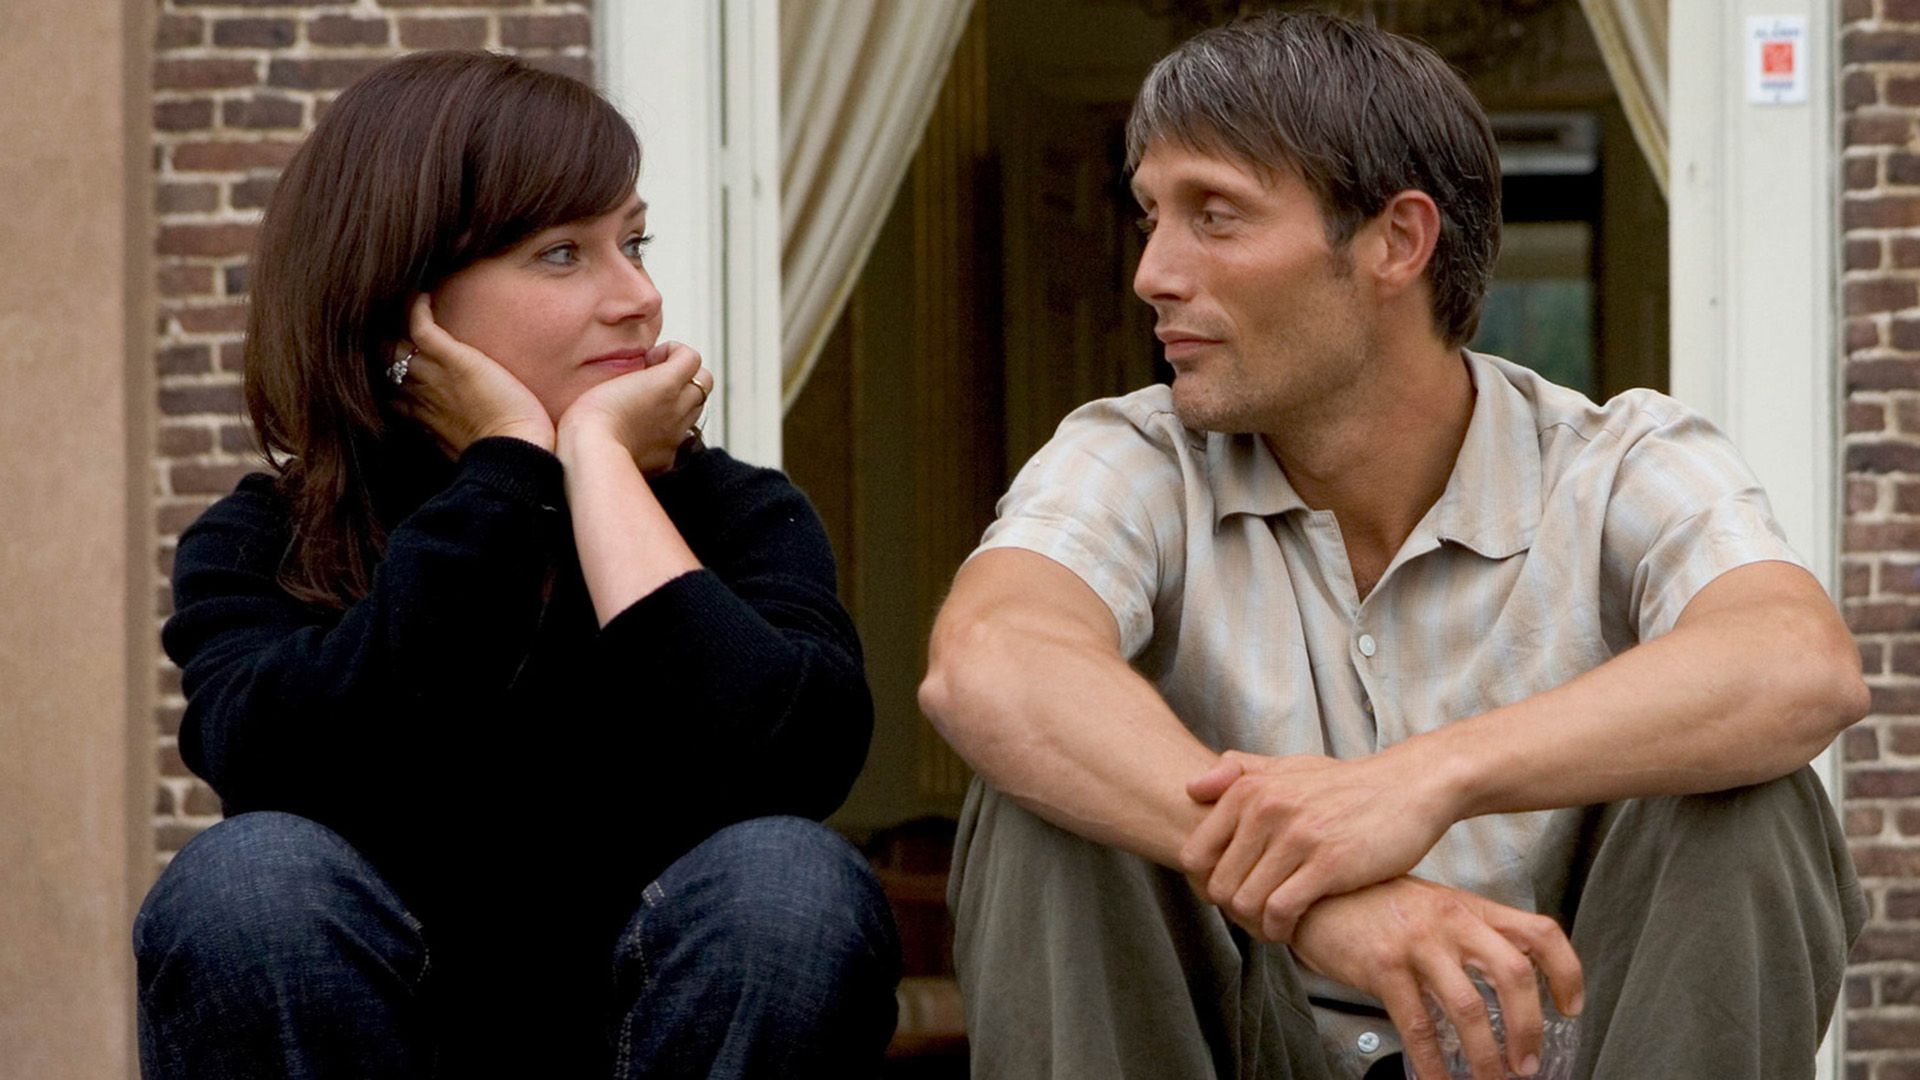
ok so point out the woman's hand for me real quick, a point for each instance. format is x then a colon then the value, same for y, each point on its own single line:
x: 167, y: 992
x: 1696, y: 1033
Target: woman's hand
x: 461, y: 394
x: 649, y: 412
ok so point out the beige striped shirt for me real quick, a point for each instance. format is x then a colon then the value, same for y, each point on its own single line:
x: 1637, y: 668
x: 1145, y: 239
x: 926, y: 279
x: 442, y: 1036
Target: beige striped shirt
x: 1567, y: 532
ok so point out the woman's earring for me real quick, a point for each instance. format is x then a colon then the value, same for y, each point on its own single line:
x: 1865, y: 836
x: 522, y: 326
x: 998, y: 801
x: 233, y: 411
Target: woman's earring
x: 397, y: 371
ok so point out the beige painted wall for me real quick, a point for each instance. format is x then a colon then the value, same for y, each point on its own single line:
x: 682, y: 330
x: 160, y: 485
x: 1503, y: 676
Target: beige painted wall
x: 75, y: 629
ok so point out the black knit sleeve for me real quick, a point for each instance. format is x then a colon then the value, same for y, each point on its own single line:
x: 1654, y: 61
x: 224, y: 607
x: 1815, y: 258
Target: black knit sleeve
x: 293, y: 707
x: 750, y: 668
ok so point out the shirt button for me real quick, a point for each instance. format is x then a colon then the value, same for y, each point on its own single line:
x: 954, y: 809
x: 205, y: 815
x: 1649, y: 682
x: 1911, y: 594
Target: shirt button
x: 1368, y: 1042
x: 1366, y: 645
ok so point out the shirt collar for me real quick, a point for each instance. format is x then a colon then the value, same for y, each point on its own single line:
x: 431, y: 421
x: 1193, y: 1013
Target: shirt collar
x: 1491, y: 503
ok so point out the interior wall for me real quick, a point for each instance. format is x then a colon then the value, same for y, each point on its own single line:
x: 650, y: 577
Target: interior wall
x: 74, y: 435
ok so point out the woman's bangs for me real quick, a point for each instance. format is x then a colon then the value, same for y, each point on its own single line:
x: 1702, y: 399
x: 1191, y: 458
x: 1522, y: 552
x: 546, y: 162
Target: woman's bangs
x: 564, y: 155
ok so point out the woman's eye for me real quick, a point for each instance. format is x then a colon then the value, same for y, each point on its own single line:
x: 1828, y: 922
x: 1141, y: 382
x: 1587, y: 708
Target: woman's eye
x: 1145, y: 225
x: 635, y: 246
x: 560, y: 255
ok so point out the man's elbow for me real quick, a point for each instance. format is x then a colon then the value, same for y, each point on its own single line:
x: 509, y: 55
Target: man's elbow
x: 1837, y: 695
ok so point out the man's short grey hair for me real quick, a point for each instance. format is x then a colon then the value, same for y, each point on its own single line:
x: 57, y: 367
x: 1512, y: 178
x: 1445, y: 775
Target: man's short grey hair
x: 1360, y: 114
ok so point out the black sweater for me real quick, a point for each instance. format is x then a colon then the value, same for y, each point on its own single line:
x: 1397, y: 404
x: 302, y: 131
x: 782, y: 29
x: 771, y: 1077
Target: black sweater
x: 471, y: 728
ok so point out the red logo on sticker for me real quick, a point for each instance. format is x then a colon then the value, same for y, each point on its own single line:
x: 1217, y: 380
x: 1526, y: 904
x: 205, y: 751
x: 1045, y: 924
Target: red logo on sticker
x: 1776, y: 58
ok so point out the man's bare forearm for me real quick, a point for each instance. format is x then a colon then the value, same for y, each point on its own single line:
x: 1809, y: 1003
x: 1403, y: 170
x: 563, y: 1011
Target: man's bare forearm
x: 1739, y: 693
x: 1033, y: 693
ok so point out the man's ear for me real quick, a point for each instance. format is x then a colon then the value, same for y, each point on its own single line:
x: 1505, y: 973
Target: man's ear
x: 1408, y: 227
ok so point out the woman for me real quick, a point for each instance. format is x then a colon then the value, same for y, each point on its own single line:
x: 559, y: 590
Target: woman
x: 517, y: 700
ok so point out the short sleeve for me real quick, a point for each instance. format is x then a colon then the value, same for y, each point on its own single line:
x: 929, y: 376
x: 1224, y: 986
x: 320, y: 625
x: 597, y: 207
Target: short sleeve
x: 1103, y: 498
x: 1684, y: 509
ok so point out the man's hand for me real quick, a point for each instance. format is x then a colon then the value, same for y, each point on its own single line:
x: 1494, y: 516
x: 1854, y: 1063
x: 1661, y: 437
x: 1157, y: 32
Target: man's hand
x: 1404, y: 939
x: 1286, y: 831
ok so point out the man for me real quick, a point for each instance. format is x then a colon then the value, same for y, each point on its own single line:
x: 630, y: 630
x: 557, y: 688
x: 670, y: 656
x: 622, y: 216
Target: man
x: 1355, y: 667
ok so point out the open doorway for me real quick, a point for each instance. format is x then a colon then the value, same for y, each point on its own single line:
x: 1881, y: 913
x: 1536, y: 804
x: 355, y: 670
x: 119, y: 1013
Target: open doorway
x: 998, y: 298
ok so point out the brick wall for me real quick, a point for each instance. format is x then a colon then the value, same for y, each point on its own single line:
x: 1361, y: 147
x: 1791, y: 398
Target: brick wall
x: 236, y: 86
x: 1880, y: 587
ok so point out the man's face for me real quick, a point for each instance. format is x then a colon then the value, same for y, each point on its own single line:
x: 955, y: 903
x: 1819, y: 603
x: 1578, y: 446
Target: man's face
x: 1262, y: 320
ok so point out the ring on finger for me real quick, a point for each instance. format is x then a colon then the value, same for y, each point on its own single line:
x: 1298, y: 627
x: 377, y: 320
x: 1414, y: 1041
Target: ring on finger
x: 397, y: 371
x: 694, y: 379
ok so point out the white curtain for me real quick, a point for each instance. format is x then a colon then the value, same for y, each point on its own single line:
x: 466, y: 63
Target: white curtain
x: 858, y: 80
x: 1633, y: 39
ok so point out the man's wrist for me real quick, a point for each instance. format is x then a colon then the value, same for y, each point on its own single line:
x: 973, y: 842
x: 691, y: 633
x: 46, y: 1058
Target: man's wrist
x: 1444, y: 776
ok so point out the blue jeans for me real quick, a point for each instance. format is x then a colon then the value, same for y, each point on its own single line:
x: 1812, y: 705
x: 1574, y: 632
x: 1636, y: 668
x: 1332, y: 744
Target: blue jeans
x: 271, y: 947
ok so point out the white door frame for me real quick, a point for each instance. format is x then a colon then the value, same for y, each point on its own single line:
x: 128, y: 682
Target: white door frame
x: 1754, y: 252
x: 700, y: 79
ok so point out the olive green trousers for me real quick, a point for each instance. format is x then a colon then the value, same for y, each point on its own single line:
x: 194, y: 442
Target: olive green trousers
x: 1712, y: 930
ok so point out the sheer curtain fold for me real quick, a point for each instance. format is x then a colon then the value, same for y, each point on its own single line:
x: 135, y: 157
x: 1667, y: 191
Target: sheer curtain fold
x: 1633, y: 41
x: 858, y: 79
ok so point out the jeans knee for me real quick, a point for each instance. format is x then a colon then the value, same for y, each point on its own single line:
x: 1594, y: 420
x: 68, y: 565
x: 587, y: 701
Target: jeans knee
x: 778, y: 889
x: 256, y: 888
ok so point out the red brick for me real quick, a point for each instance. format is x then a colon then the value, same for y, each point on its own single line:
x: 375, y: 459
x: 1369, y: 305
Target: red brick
x: 1860, y: 743
x: 1884, y: 783
x: 320, y: 73
x: 173, y: 518
x: 1900, y: 988
x: 443, y: 33
x: 233, y: 155
x: 1882, y: 861
x: 1881, y: 616
x: 1903, y: 91
x: 1901, y: 11
x: 1878, y: 1033
x: 204, y: 73
x: 1856, y: 578
x: 545, y: 31
x: 1867, y: 822
x: 1858, y: 89
x: 1907, y: 820
x: 1903, y: 169
x: 251, y: 193
x: 1882, y: 212
x: 451, y: 3
x: 1905, y: 251
x: 1873, y: 297
x: 184, y: 114
x: 190, y: 479
x: 1862, y: 334
x: 573, y: 67
x: 238, y: 439
x: 182, y: 440
x: 1883, y: 457
x: 1906, y: 414
x: 255, y: 33
x: 179, y: 32
x: 167, y: 758
x: 211, y: 318
x: 1864, y: 417
x: 347, y: 30
x: 1861, y: 174
x: 167, y: 718
x: 206, y: 240
x: 262, y: 111
x: 184, y: 360
x: 1906, y: 498
x: 1874, y: 46
x: 1903, y: 700
x: 1882, y: 536
x: 162, y: 602
x: 201, y: 801
x: 1878, y: 130
x: 185, y: 198
x: 223, y: 400
x: 1903, y: 904
x: 171, y: 836
x: 1859, y: 991
x: 174, y: 282
x: 232, y: 356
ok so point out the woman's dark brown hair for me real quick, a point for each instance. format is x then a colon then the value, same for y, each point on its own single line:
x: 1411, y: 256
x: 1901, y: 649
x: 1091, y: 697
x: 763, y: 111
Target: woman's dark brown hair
x: 417, y: 170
